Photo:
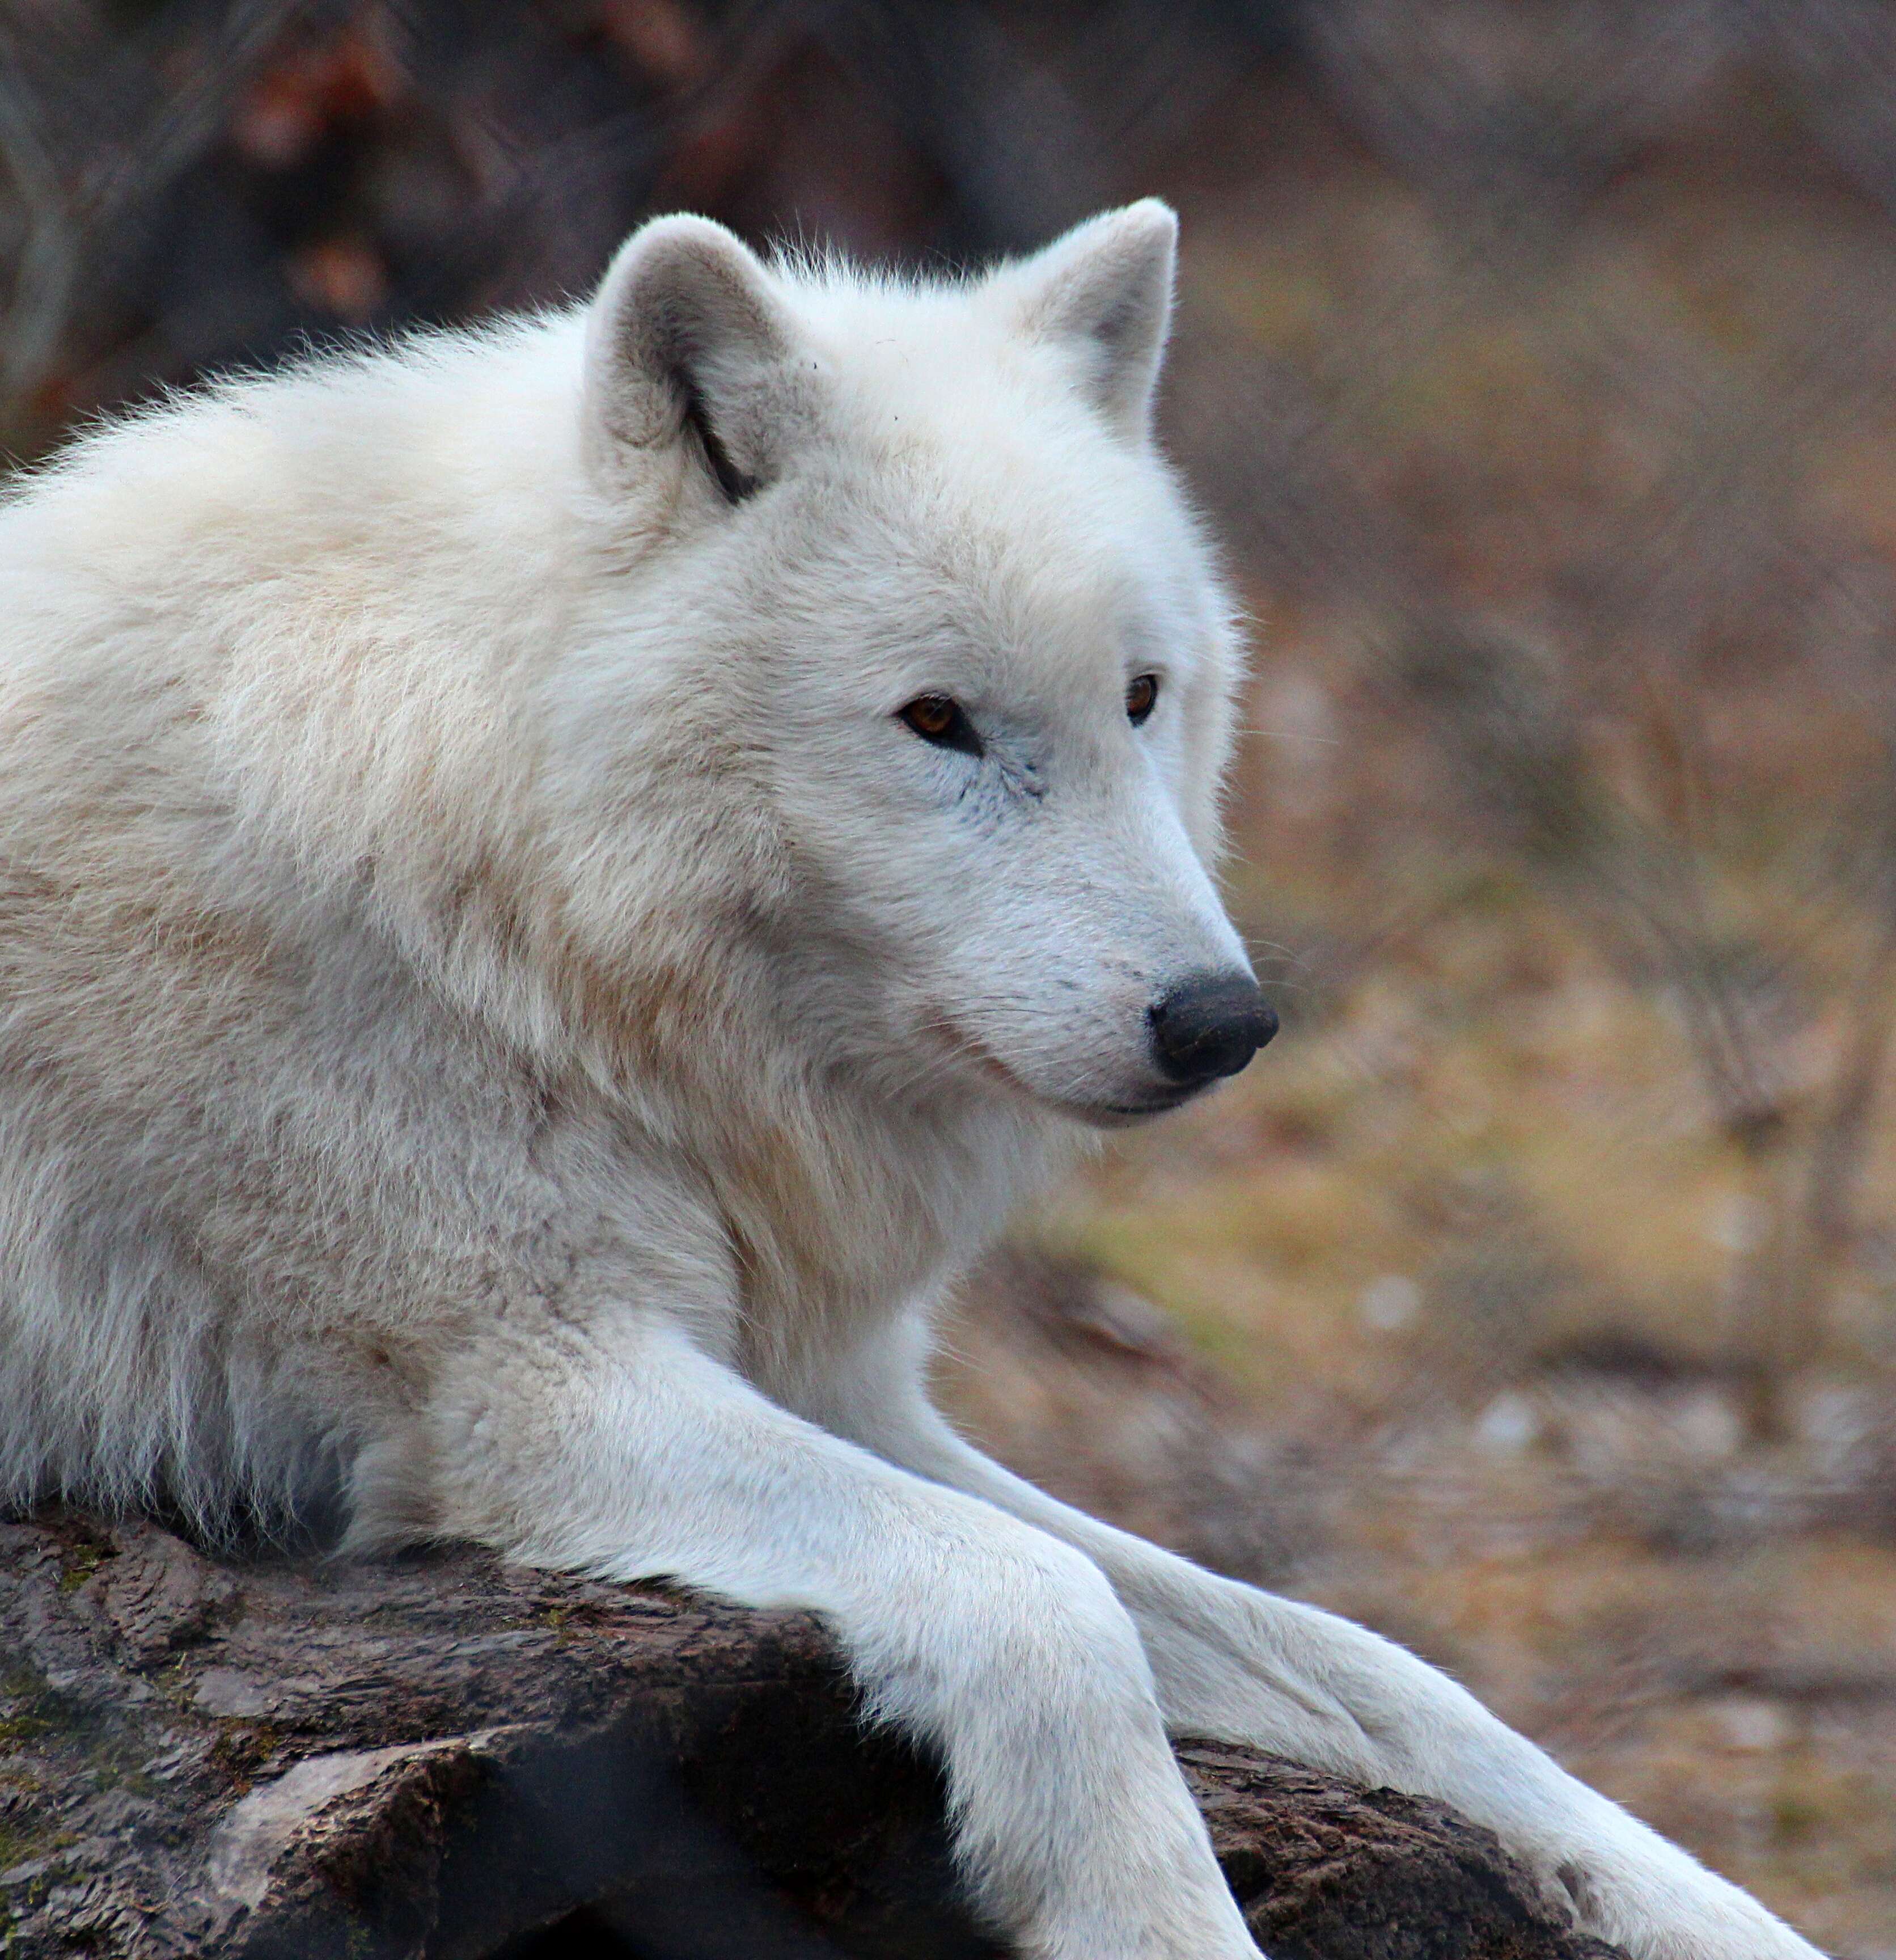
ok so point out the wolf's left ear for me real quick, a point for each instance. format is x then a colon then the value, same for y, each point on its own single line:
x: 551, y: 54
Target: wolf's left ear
x: 1105, y: 290
x: 688, y: 349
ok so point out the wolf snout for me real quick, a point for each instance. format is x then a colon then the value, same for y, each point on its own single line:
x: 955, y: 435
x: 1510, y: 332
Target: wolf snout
x: 1208, y: 1026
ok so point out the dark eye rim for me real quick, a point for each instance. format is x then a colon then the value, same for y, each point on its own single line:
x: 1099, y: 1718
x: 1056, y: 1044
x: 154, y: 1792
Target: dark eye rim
x: 1140, y: 715
x: 953, y: 729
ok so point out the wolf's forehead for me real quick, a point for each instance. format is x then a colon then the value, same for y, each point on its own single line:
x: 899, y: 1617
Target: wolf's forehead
x: 937, y: 360
x: 998, y: 550
x: 997, y: 441
x: 896, y: 328
x: 1036, y: 591
x: 981, y: 450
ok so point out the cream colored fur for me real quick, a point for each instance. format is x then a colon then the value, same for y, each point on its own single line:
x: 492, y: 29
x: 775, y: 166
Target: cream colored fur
x: 504, y: 1031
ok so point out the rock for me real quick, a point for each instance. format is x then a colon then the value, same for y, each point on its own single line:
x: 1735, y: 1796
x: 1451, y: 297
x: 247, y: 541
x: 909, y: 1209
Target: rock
x: 446, y: 1758
x: 156, y: 1594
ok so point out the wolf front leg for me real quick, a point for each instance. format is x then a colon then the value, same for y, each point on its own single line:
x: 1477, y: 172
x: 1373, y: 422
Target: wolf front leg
x: 1232, y: 1662
x: 625, y: 1452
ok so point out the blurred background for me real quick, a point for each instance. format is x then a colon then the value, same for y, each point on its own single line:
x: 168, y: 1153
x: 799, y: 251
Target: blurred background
x: 1533, y: 1298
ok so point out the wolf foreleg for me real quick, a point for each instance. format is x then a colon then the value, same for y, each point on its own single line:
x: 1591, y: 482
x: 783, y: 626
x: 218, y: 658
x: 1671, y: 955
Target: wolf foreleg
x: 627, y: 1452
x: 1232, y: 1662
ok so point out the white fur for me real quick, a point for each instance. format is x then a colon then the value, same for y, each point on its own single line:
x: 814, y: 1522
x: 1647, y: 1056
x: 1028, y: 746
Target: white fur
x: 504, y: 1029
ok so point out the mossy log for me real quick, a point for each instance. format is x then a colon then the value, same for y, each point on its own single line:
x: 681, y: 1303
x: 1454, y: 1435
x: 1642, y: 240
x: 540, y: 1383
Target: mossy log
x: 448, y: 1758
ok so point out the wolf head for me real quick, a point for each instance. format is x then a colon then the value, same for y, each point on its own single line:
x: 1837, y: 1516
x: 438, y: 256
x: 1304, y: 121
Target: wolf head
x: 902, y: 602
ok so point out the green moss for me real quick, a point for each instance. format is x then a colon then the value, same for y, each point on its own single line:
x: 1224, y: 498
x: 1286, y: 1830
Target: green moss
x: 31, y: 1709
x: 241, y: 1749
x: 115, y: 1767
x: 79, y: 1562
x: 22, y: 1839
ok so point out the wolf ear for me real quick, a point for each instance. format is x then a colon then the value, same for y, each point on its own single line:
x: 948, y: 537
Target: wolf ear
x: 688, y: 343
x: 1105, y: 290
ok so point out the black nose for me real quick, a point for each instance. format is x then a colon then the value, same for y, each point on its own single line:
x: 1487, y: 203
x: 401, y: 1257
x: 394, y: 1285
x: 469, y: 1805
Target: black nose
x: 1208, y: 1026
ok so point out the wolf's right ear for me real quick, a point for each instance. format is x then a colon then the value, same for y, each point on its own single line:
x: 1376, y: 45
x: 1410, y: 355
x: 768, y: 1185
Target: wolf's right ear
x: 688, y: 343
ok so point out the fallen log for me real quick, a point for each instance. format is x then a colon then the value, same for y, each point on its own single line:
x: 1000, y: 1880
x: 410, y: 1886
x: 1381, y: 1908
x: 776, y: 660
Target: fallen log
x: 445, y: 1757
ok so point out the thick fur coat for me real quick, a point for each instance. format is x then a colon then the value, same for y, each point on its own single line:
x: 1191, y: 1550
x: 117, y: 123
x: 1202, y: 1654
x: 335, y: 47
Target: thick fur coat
x: 555, y: 885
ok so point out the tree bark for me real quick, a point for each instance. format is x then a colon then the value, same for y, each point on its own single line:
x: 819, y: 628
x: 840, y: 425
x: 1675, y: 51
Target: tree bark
x: 449, y: 1757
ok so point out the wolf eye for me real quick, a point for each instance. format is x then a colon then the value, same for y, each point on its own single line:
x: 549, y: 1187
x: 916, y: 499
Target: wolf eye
x: 1141, y: 697
x: 937, y: 719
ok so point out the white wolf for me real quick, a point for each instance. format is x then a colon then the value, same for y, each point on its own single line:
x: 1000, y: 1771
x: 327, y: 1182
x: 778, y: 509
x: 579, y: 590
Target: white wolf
x: 555, y: 884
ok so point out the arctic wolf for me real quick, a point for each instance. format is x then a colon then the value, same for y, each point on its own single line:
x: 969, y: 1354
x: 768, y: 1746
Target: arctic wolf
x: 556, y: 884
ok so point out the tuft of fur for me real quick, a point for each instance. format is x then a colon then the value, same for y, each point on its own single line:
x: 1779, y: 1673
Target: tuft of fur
x: 505, y: 1028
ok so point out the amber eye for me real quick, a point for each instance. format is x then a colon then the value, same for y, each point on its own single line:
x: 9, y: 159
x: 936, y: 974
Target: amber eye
x: 1141, y: 697
x: 937, y: 718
